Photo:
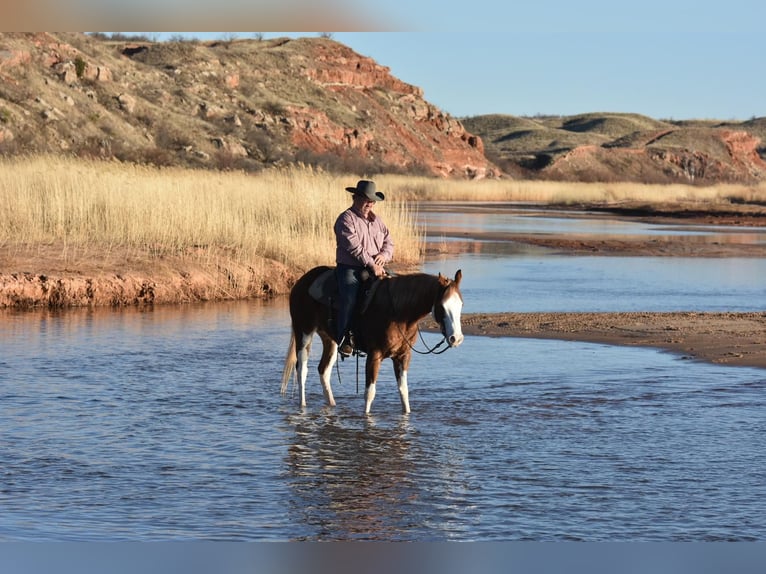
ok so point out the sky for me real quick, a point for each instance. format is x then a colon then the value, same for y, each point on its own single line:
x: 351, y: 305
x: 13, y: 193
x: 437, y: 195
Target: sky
x: 679, y: 74
x: 666, y: 59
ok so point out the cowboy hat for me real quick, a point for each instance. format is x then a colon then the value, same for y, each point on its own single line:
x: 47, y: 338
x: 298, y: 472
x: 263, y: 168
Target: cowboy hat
x: 366, y: 189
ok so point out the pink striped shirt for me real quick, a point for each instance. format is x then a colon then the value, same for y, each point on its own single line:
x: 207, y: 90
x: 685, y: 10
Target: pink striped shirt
x: 359, y: 240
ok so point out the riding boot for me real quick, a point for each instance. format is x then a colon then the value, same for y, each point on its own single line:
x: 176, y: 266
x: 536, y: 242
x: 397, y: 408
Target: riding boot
x: 348, y: 289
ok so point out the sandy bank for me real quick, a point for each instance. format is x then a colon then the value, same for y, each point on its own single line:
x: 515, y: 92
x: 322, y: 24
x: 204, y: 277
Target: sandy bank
x: 724, y: 338
x: 47, y: 276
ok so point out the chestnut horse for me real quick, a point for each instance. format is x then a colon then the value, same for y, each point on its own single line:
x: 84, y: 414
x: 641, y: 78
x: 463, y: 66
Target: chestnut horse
x: 388, y: 328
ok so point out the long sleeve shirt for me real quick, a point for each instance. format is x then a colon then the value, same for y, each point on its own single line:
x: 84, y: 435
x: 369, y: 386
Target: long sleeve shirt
x: 359, y: 240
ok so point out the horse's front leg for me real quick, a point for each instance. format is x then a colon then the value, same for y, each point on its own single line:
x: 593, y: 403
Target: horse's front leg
x: 400, y: 371
x: 326, y: 363
x: 372, y: 367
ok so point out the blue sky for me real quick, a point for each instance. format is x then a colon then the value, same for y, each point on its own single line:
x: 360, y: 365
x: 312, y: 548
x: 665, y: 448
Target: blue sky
x: 671, y: 59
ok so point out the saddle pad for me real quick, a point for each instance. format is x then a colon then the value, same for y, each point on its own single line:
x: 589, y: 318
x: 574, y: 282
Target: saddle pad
x: 324, y: 287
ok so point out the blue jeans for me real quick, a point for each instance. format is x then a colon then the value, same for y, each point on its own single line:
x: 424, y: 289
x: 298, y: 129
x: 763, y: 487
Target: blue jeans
x: 349, y: 281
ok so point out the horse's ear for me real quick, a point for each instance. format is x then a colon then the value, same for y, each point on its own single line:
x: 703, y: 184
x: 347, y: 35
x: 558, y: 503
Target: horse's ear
x: 458, y: 276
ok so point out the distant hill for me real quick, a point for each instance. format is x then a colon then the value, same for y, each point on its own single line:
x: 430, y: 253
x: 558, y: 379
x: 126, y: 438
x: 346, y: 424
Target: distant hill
x: 624, y: 147
x: 243, y: 104
x: 251, y: 104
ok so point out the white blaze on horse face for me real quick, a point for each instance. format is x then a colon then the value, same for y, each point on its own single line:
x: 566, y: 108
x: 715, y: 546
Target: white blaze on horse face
x: 453, y: 331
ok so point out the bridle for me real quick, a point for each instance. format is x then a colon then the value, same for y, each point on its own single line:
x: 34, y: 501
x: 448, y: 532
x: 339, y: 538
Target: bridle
x: 432, y: 350
x: 428, y: 351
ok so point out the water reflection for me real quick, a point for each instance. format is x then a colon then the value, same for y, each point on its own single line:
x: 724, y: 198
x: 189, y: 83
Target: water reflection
x: 455, y: 220
x: 526, y: 282
x: 351, y: 479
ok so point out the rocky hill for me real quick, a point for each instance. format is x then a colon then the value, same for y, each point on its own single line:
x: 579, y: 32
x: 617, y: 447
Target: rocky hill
x: 241, y: 104
x: 624, y: 147
x: 248, y: 104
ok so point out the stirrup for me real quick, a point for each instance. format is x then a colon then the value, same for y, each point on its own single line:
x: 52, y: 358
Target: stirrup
x: 345, y: 350
x: 346, y: 347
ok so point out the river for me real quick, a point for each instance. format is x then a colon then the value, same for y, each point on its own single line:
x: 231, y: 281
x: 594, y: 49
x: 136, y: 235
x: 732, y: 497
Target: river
x: 167, y: 424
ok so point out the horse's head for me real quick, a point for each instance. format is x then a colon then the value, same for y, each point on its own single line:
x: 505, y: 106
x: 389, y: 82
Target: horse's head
x: 447, y: 309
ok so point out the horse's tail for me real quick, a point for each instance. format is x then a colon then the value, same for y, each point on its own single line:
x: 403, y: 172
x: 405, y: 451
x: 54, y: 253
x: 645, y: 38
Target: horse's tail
x: 291, y: 359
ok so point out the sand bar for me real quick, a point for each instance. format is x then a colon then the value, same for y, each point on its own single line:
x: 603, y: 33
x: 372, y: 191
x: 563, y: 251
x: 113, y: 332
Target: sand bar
x: 725, y: 338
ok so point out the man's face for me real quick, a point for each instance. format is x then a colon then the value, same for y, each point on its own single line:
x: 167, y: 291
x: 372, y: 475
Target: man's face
x: 364, y: 205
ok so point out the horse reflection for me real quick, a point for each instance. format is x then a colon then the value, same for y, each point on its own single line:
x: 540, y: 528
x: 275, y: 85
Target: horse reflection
x: 352, y: 483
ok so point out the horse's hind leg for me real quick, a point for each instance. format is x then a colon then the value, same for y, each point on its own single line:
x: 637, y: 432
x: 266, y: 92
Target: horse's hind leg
x: 302, y: 348
x: 326, y: 363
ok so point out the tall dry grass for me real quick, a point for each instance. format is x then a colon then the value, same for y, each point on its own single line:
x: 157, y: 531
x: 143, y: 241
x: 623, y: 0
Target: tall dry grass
x: 286, y: 215
x: 566, y: 193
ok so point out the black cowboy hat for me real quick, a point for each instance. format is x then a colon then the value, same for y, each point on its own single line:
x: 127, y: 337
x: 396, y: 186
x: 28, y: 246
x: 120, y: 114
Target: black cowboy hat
x: 366, y: 189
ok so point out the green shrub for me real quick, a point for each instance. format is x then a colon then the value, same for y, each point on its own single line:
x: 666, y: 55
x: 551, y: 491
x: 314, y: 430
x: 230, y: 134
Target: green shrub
x: 79, y: 66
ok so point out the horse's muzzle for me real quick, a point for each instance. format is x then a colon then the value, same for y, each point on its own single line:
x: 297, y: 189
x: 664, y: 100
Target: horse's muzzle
x: 454, y: 340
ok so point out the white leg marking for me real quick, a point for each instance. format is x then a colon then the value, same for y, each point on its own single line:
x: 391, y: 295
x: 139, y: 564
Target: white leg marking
x: 303, y: 365
x: 326, y: 376
x: 404, y: 392
x: 369, y: 396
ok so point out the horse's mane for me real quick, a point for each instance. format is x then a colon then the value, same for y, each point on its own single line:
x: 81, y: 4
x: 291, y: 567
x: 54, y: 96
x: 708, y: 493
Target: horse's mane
x: 412, y: 291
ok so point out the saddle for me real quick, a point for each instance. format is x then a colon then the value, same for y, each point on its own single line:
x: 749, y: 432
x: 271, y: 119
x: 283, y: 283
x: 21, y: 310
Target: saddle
x: 324, y: 290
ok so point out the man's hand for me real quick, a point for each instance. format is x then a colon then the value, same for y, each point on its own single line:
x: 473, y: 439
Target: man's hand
x: 379, y: 260
x: 378, y: 270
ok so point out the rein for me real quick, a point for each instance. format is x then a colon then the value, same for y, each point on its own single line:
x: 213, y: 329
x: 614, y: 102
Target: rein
x: 340, y: 381
x: 432, y: 350
x: 337, y: 369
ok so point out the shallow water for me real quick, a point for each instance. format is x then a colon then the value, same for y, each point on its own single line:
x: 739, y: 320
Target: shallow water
x: 508, y: 276
x: 446, y: 220
x: 526, y: 281
x: 168, y: 425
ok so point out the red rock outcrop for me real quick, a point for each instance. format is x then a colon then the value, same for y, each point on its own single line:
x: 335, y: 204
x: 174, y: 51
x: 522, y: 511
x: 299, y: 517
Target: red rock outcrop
x: 649, y: 163
x: 398, y: 126
x: 241, y: 103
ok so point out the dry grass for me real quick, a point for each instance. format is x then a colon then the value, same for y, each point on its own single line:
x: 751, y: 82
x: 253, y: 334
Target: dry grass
x: 92, y: 206
x: 566, y: 193
x: 78, y: 232
x: 93, y: 210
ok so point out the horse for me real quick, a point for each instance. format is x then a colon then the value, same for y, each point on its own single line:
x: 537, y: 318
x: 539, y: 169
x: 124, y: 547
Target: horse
x: 388, y: 328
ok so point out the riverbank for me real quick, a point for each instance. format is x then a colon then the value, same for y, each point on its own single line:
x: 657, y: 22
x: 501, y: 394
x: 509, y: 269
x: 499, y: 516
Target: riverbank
x: 737, y: 339
x: 724, y: 338
x: 54, y: 277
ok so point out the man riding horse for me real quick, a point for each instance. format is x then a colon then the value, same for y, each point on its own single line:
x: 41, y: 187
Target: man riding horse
x: 393, y: 308
x: 363, y: 246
